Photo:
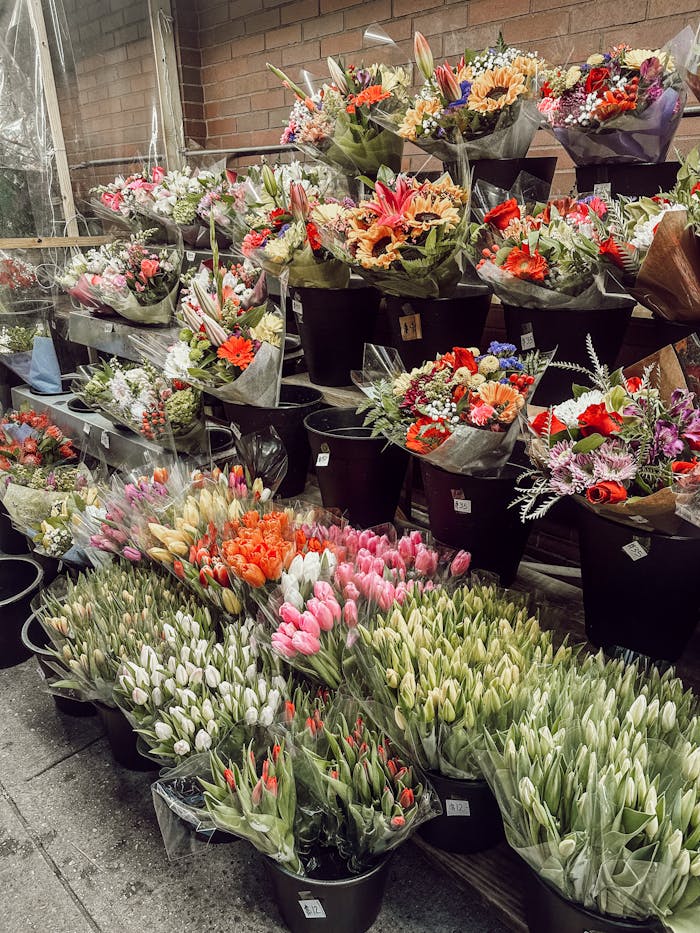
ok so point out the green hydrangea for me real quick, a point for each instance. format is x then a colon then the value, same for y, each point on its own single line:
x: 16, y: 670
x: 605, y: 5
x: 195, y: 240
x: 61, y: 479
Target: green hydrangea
x: 182, y: 407
x: 185, y: 210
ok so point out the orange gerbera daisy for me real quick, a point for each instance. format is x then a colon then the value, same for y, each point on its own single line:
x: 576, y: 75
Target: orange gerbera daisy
x: 613, y: 104
x: 496, y: 89
x: 425, y: 435
x: 526, y: 265
x: 371, y: 95
x: 237, y: 351
x: 504, y: 398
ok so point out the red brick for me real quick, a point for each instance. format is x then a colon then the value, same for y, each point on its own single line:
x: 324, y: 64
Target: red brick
x: 261, y: 22
x: 302, y: 52
x: 442, y: 21
x: 407, y: 7
x: 601, y: 13
x: 286, y: 35
x: 323, y: 25
x: 342, y: 44
x: 492, y: 11
x: 219, y: 127
x: 213, y: 15
x: 537, y: 26
x: 294, y: 12
x: 213, y: 54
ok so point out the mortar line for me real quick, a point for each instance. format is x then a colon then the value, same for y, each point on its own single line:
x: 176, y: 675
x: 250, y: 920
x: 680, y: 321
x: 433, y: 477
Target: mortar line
x: 65, y: 758
x: 48, y: 858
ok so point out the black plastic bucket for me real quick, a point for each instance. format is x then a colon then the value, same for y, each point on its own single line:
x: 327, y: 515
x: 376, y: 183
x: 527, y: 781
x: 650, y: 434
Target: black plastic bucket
x: 334, y: 326
x: 665, y: 332
x: 638, y: 179
x: 649, y: 604
x: 567, y: 330
x: 296, y: 402
x: 504, y: 172
x: 548, y: 911
x: 358, y: 474
x: 20, y: 579
x: 11, y: 540
x: 344, y: 905
x: 421, y: 328
x: 471, y: 512
x: 34, y: 640
x: 470, y: 821
x: 122, y: 739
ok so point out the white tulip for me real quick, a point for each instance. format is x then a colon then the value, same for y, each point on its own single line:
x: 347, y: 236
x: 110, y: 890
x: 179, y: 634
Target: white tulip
x: 212, y: 676
x: 181, y: 675
x: 181, y: 747
x: 141, y: 677
x: 163, y: 731
x: 139, y: 696
x: 668, y: 716
x: 207, y: 710
x: 224, y: 688
x: 266, y: 716
x: 157, y: 696
x: 251, y: 716
x: 637, y: 710
x: 202, y: 741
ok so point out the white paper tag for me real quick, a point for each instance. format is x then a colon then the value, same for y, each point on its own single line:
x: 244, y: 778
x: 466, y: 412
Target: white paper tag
x: 190, y: 254
x: 109, y: 327
x: 313, y: 909
x: 527, y: 341
x: 462, y: 505
x: 104, y: 440
x: 323, y: 460
x: 457, y: 808
x: 603, y: 189
x: 411, y: 329
x: 298, y: 309
x: 635, y: 550
x: 86, y: 428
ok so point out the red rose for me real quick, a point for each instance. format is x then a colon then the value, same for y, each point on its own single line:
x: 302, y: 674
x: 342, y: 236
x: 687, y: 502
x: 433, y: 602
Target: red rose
x: 634, y: 384
x: 597, y: 79
x: 596, y: 419
x: 502, y: 214
x: 606, y: 492
x: 684, y: 466
x: 545, y: 422
x: 313, y: 236
x: 464, y: 359
x: 611, y: 249
x: 696, y: 188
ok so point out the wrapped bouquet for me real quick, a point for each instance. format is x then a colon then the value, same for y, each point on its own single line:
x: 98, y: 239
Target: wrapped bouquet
x: 483, y: 107
x: 407, y: 240
x: 128, y: 277
x: 619, y: 106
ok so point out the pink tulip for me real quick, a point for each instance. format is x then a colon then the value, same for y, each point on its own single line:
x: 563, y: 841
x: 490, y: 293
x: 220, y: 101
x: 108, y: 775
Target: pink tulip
x: 386, y: 597
x: 308, y: 623
x: 323, y: 614
x: 460, y: 563
x: 323, y: 591
x: 131, y: 553
x: 334, y: 607
x: 350, y: 613
x: 290, y: 614
x: 350, y: 591
x: 305, y: 643
x: 257, y: 792
x: 426, y: 560
x: 343, y: 574
x: 288, y: 628
x: 158, y: 174
x: 283, y: 645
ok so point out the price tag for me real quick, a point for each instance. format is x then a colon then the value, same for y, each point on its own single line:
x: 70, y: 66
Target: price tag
x: 313, y: 909
x: 635, y: 550
x: 457, y: 808
x: 86, y: 428
x: 109, y: 327
x: 104, y: 440
x: 323, y: 459
x: 410, y: 327
x: 602, y: 189
x: 462, y: 505
x: 298, y: 309
x: 190, y: 254
x: 527, y: 339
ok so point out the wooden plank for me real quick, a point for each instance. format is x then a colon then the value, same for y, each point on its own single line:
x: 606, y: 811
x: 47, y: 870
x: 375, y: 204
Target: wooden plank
x: 59, y: 145
x: 51, y: 242
x: 161, y: 17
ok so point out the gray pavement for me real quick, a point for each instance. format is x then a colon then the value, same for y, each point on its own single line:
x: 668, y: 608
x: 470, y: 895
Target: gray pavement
x: 81, y: 851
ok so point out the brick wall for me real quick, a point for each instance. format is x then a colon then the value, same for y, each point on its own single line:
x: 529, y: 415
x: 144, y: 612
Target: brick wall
x: 242, y: 104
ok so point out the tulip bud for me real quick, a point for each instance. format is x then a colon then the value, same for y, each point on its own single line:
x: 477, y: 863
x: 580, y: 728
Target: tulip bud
x: 668, y: 716
x: 139, y: 696
x: 163, y: 731
x: 637, y: 710
x: 181, y: 747
x: 337, y: 75
x: 202, y: 741
x: 567, y: 847
x: 423, y: 55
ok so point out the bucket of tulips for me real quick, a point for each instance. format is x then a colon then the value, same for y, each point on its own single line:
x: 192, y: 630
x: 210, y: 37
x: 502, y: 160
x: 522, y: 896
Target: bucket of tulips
x: 617, y: 447
x: 327, y: 805
x: 443, y: 669
x: 458, y: 415
x: 597, y: 782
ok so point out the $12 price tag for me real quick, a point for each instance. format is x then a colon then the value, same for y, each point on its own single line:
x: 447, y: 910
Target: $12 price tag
x: 457, y: 808
x: 312, y: 909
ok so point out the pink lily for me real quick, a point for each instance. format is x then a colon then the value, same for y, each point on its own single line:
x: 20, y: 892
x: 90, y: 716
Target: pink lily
x: 390, y: 205
x: 447, y: 82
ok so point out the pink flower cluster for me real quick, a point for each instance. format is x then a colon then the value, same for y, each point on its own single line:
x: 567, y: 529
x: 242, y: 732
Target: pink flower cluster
x: 300, y: 632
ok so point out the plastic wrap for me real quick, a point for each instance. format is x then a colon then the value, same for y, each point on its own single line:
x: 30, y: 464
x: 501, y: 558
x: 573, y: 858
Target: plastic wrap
x: 445, y: 440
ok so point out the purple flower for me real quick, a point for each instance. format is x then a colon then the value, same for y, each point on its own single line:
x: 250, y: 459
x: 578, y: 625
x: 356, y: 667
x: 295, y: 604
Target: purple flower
x: 131, y: 553
x: 363, y: 77
x: 612, y: 462
x: 570, y: 472
x: 667, y: 442
x: 651, y: 70
x: 465, y: 87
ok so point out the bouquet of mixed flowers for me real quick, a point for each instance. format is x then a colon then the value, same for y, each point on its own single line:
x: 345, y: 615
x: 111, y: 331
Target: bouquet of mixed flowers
x: 128, y: 277
x: 55, y: 536
x: 280, y: 230
x: 620, y: 106
x: 230, y: 345
x: 18, y: 282
x: 117, y: 199
x: 483, y: 107
x: 597, y: 781
x: 407, y: 240
x: 460, y: 410
x: 141, y: 398
x: 618, y: 445
x: 335, y: 124
x: 545, y: 255
x: 445, y: 668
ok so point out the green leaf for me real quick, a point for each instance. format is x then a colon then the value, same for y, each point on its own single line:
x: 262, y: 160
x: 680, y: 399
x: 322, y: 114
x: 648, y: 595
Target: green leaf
x: 578, y: 390
x: 587, y: 444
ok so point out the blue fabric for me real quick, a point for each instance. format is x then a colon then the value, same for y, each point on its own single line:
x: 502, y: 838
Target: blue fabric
x: 44, y: 371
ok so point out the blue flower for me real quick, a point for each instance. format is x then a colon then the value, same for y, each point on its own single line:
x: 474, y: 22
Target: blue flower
x: 465, y: 87
x: 496, y: 347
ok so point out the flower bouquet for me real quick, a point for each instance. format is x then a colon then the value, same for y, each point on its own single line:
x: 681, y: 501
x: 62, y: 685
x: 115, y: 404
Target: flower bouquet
x: 484, y: 107
x: 620, y: 106
x: 127, y: 277
x: 335, y: 124
x: 55, y: 536
x: 139, y: 397
x: 597, y: 782
x: 230, y: 345
x: 116, y: 201
x: 281, y: 233
x: 617, y: 446
x: 407, y: 240
x: 18, y: 282
x: 459, y: 411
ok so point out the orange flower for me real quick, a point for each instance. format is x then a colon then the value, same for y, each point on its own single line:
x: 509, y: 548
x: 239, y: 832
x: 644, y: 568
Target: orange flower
x: 504, y: 398
x: 425, y: 435
x: 525, y: 265
x: 371, y: 95
x: 613, y: 104
x: 238, y: 351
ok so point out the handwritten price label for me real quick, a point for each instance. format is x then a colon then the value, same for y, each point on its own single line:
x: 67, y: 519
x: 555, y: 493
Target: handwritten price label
x: 635, y: 550
x: 410, y: 327
x: 86, y: 428
x: 464, y: 506
x: 313, y: 909
x: 322, y: 460
x: 457, y: 808
x: 527, y: 341
x: 190, y: 254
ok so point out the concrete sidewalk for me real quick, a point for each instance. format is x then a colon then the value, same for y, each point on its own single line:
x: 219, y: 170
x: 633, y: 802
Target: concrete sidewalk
x: 81, y: 851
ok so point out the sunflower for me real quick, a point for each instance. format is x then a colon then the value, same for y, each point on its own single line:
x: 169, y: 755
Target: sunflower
x: 377, y: 247
x: 237, y: 351
x: 428, y: 210
x: 448, y: 189
x: 527, y: 65
x: 504, y: 398
x: 494, y: 90
x: 415, y: 115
